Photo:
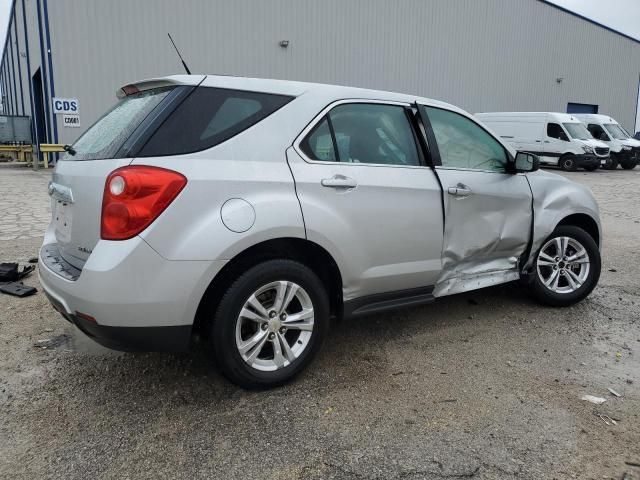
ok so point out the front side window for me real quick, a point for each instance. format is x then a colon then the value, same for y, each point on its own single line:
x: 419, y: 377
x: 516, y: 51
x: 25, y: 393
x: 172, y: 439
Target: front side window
x: 464, y: 144
x: 363, y: 133
x: 616, y: 131
x: 598, y: 132
x: 577, y: 131
x: 208, y: 117
x: 554, y: 130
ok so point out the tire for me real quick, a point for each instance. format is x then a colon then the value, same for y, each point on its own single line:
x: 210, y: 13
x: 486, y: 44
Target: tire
x: 611, y: 164
x: 565, y: 294
x: 229, y: 330
x: 568, y: 163
x: 628, y: 164
x: 592, y: 168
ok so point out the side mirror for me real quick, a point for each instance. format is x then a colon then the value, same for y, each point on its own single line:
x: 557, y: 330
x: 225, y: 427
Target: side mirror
x: 527, y: 162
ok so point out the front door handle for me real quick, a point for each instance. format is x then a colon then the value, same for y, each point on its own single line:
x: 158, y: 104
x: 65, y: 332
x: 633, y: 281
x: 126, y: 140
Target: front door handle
x: 339, y: 181
x: 460, y: 191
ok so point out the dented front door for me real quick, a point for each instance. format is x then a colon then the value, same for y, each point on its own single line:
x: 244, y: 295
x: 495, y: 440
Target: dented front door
x: 488, y: 211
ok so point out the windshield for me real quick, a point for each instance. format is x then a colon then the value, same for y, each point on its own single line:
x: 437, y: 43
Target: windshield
x: 615, y: 131
x: 577, y: 131
x: 107, y: 135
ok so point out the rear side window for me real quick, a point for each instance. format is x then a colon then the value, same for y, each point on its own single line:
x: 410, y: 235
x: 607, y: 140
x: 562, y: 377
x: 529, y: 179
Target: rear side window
x: 208, y: 117
x: 107, y: 135
x: 318, y: 145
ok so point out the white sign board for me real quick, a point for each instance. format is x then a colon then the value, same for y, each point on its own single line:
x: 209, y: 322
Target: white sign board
x: 71, y: 120
x: 65, y: 105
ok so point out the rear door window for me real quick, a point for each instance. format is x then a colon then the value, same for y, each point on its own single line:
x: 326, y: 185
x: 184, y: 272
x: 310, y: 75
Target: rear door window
x: 363, y: 133
x: 107, y: 135
x: 208, y: 117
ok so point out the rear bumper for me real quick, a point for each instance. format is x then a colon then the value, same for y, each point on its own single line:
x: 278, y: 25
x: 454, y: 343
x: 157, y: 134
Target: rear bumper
x: 139, y: 300
x: 130, y: 339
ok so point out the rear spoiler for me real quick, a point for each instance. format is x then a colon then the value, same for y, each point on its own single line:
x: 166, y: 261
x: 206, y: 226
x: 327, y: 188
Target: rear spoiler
x: 130, y: 89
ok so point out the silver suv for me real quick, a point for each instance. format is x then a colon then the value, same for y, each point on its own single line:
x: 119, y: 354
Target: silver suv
x: 253, y: 211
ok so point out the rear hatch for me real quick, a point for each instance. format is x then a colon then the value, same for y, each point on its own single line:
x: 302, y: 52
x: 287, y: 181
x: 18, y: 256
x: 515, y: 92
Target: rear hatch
x: 79, y: 177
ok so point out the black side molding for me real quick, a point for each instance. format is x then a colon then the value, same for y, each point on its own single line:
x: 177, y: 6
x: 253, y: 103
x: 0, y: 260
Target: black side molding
x: 382, y: 302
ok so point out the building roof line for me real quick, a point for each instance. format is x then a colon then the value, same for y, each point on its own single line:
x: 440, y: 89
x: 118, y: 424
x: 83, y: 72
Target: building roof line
x: 591, y: 20
x: 547, y: 2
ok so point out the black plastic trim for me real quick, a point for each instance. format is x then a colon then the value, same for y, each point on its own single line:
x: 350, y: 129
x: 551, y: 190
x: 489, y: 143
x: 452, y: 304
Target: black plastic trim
x: 136, y: 339
x: 382, y: 302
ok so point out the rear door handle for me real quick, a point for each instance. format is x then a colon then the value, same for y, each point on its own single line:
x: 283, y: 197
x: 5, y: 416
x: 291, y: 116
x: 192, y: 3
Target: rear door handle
x: 460, y: 191
x: 339, y: 181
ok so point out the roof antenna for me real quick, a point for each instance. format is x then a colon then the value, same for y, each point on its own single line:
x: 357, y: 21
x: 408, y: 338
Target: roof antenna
x: 178, y: 52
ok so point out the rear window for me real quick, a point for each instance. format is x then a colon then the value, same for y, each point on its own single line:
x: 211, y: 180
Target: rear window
x: 106, y: 136
x: 208, y: 117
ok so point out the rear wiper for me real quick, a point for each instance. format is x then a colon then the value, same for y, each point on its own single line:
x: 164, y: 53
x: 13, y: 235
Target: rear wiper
x: 69, y: 149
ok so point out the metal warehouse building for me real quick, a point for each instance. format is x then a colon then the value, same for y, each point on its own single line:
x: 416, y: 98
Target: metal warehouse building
x: 488, y: 55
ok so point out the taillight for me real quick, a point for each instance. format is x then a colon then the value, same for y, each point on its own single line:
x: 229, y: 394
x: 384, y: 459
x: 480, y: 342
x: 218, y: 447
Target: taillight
x: 133, y: 198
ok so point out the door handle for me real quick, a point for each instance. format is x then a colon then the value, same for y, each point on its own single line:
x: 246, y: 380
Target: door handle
x: 547, y: 141
x: 339, y: 181
x: 460, y: 191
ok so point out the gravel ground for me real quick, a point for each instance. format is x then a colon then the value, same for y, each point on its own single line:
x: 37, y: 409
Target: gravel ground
x: 479, y: 385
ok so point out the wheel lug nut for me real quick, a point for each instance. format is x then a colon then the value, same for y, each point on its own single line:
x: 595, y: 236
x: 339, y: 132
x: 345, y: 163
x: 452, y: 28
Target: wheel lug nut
x: 283, y: 316
x: 264, y: 326
x: 282, y: 330
x: 272, y: 314
x: 272, y: 336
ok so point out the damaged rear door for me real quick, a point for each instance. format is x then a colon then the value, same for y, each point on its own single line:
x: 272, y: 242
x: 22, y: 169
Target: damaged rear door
x: 488, y: 211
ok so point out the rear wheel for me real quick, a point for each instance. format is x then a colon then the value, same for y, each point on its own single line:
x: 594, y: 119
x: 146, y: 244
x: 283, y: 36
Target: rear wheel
x: 567, y: 267
x: 568, y: 163
x: 269, y: 324
x: 628, y: 164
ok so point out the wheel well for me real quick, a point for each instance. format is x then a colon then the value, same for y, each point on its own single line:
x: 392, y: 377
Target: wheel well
x: 304, y: 251
x: 584, y: 222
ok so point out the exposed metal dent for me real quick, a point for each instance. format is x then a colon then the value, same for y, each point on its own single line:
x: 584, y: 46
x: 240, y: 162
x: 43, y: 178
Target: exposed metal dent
x: 485, y: 234
x: 470, y: 281
x: 555, y: 198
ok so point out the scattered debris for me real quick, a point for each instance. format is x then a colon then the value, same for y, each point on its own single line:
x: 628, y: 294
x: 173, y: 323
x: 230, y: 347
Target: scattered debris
x: 17, y: 289
x: 592, y: 399
x: 606, y: 419
x: 613, y: 270
x: 632, y: 464
x: 33, y: 260
x: 10, y: 272
x: 613, y: 392
x: 53, y: 342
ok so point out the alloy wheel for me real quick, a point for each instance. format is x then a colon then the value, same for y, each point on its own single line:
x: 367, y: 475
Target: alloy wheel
x: 275, y: 326
x: 563, y: 265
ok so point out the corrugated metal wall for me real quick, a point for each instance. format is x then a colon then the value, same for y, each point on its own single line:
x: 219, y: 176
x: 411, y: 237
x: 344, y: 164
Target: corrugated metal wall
x: 482, y: 55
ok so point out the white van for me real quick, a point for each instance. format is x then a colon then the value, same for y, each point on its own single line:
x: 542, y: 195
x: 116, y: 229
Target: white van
x: 557, y: 138
x: 625, y: 151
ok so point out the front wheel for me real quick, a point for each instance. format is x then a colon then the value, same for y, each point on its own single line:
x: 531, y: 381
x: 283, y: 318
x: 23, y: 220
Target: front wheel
x: 567, y: 267
x: 611, y: 164
x: 270, y: 324
x: 629, y: 164
x: 568, y: 163
x: 591, y: 168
